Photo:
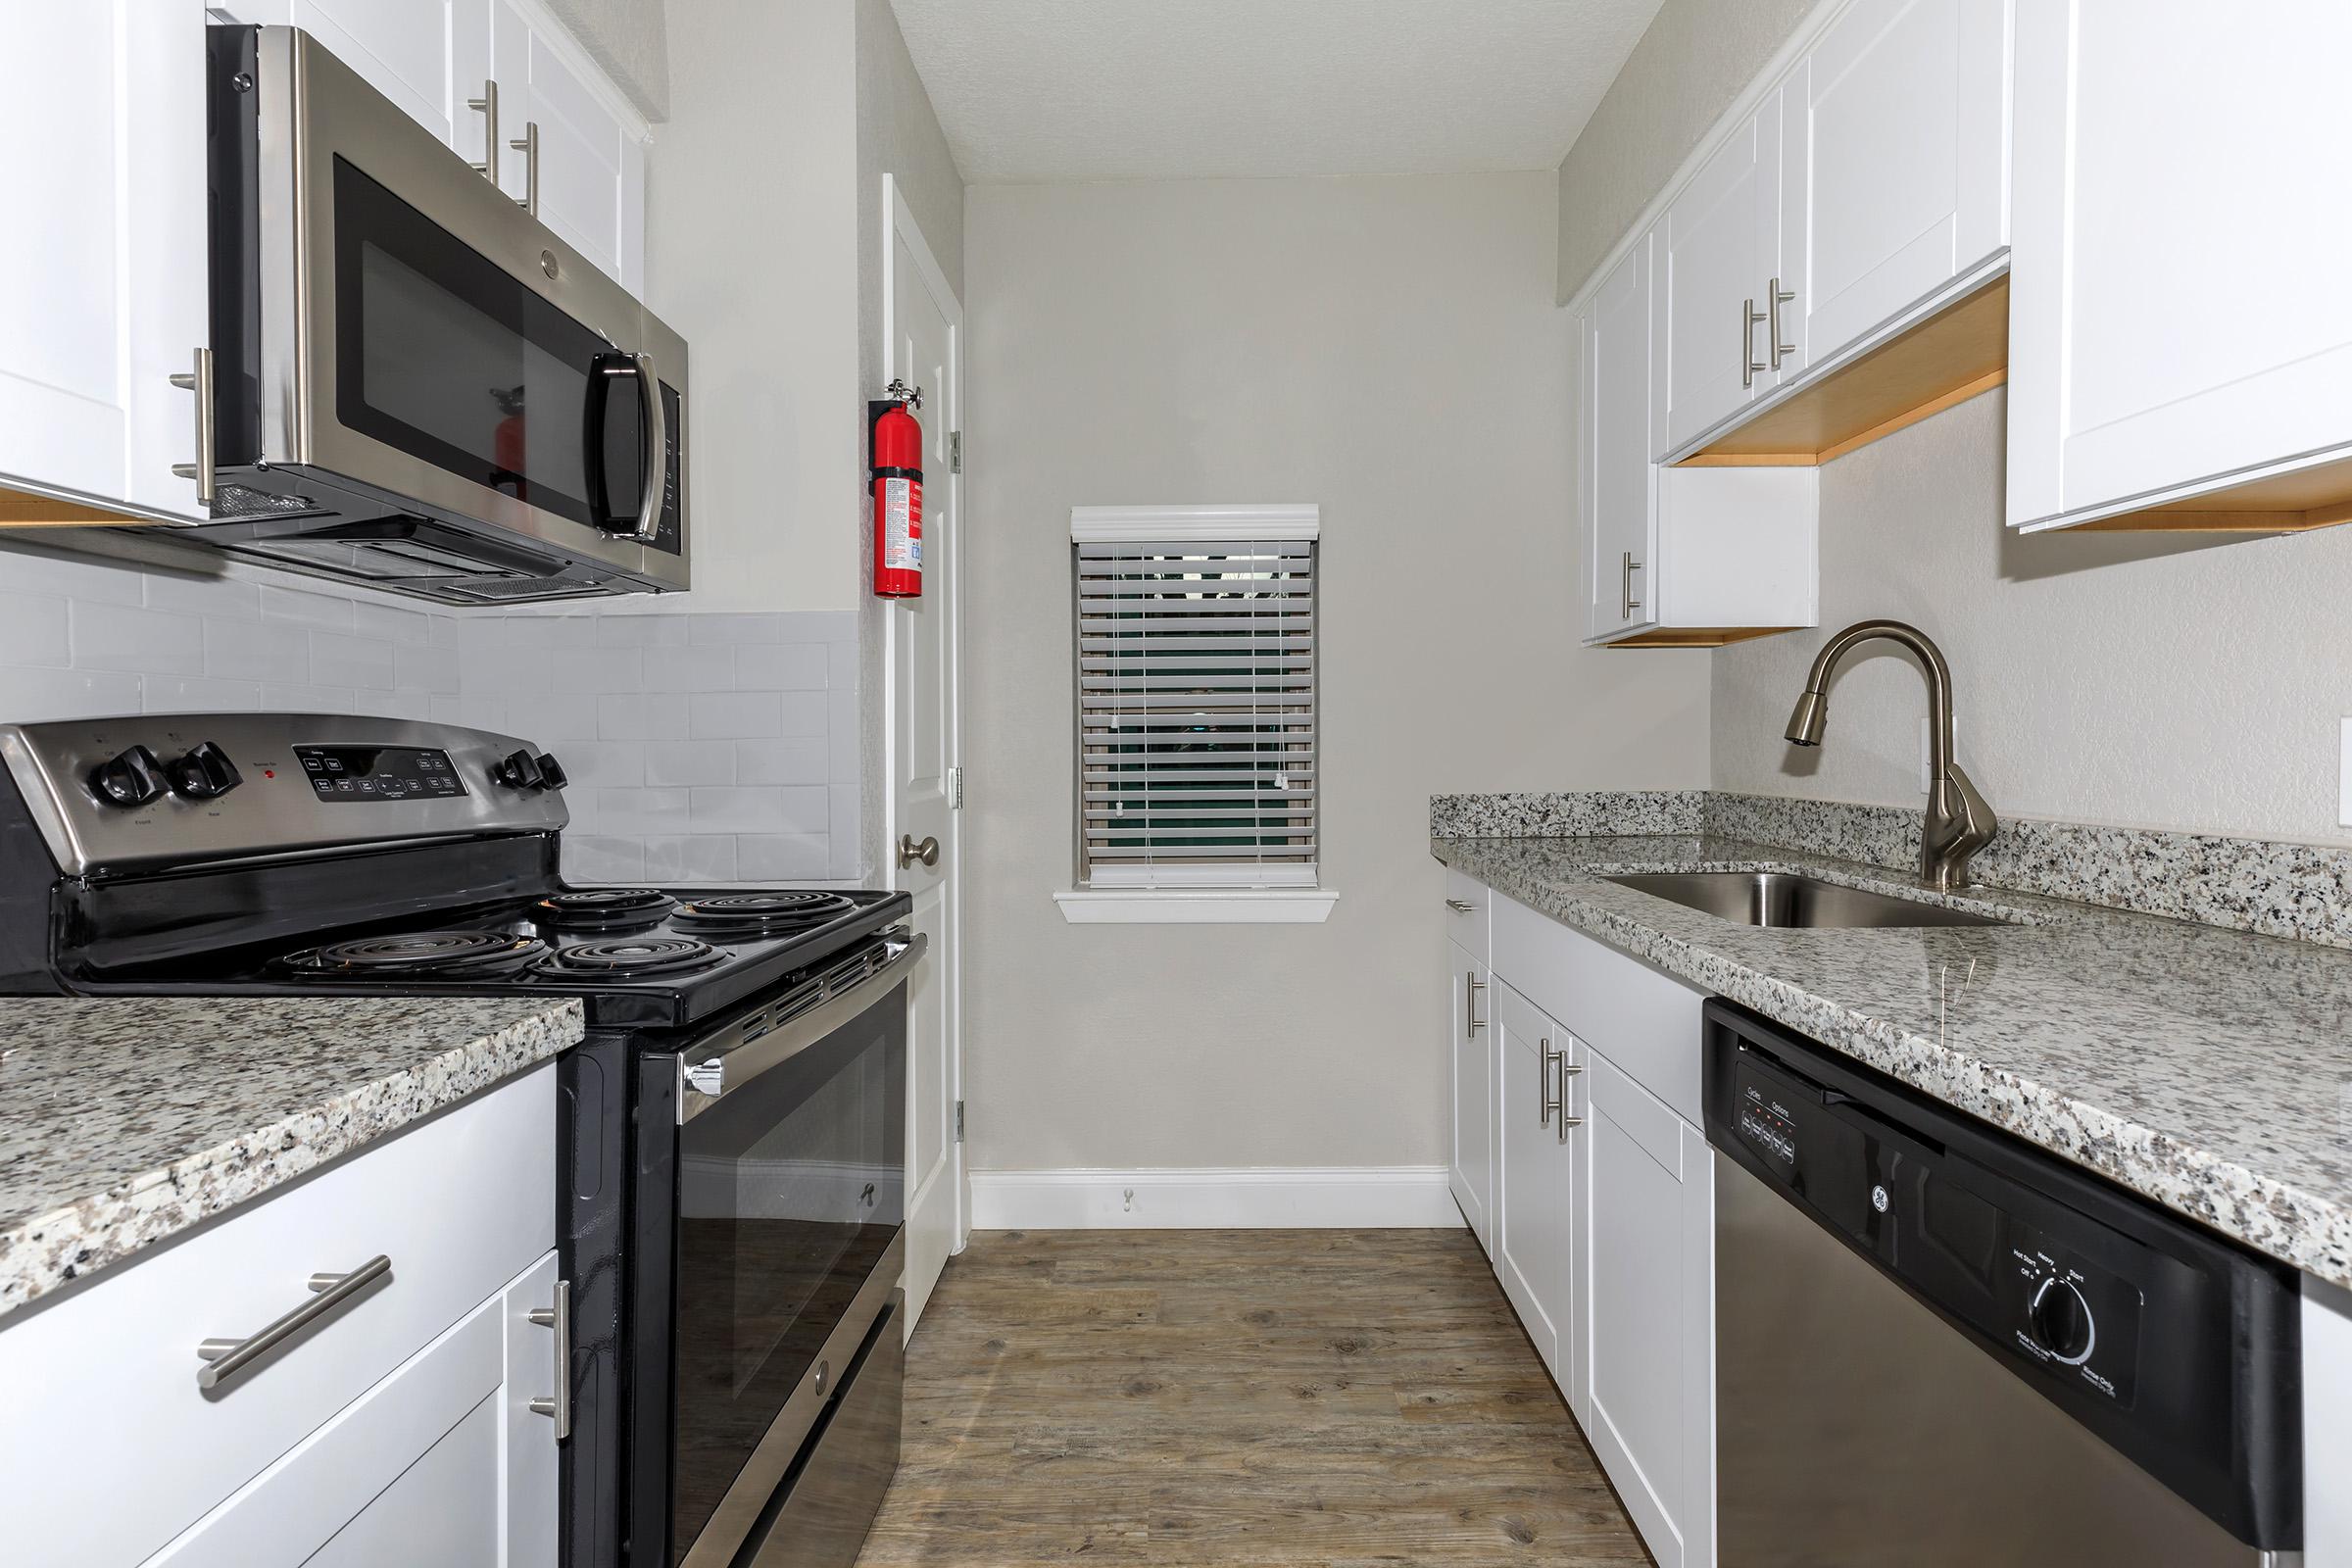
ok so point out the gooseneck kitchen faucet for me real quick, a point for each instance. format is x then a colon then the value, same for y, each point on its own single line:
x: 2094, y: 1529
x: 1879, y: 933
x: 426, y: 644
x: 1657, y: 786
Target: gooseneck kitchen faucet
x: 1959, y: 823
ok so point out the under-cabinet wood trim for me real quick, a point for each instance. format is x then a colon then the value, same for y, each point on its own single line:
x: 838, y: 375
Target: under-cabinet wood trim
x: 1695, y: 636
x: 22, y: 509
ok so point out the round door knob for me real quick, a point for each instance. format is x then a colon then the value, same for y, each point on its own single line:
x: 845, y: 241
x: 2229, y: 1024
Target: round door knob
x: 128, y: 778
x: 205, y: 773
x: 910, y: 852
x: 2061, y: 1321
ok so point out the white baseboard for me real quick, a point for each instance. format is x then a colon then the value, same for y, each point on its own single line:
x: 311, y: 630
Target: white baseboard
x: 1248, y: 1197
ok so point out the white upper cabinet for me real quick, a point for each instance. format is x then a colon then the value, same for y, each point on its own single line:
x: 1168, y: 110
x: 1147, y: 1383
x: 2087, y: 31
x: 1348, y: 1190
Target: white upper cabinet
x: 106, y: 303
x: 1617, y: 483
x: 1894, y: 168
x: 402, y: 48
x: 1718, y: 243
x: 2180, y: 323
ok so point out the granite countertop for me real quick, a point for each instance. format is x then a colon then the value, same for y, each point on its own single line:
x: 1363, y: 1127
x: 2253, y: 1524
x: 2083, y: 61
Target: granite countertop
x: 125, y: 1120
x: 2208, y: 1069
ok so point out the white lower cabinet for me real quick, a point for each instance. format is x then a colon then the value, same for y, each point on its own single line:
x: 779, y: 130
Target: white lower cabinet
x: 1604, y: 1208
x: 1539, y: 1150
x: 2327, y: 1425
x: 1651, y: 1401
x: 1471, y: 1050
x: 105, y: 1421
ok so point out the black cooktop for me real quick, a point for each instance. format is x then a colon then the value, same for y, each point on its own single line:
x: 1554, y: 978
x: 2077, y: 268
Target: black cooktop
x: 639, y: 956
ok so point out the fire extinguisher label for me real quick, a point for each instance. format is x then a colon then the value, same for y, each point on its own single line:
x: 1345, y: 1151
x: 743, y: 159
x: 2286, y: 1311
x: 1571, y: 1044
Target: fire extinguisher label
x: 903, y: 524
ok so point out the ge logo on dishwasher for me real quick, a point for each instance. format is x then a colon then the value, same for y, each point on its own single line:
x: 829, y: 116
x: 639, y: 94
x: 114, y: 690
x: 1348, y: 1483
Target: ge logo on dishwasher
x: 1877, y: 1198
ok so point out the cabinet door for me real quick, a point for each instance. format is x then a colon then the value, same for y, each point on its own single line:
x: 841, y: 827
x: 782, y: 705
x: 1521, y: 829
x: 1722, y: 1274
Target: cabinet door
x: 2178, y: 304
x: 98, y: 316
x: 1894, y: 169
x: 1467, y: 1031
x: 591, y: 163
x: 529, y: 1502
x: 1617, y: 481
x: 408, y: 50
x: 1535, y: 1251
x: 1718, y: 245
x: 1651, y: 1393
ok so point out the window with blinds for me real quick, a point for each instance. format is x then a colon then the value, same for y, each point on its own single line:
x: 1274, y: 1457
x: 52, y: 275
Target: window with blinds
x: 1196, y: 641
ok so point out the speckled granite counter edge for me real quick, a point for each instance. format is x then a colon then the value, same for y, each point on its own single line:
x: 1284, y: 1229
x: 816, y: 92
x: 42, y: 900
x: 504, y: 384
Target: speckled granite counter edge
x: 2300, y: 1228
x: 44, y: 1252
x: 2273, y: 887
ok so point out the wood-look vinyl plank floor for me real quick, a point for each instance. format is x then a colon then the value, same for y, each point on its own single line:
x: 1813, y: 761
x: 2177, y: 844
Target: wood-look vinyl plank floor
x: 1236, y: 1400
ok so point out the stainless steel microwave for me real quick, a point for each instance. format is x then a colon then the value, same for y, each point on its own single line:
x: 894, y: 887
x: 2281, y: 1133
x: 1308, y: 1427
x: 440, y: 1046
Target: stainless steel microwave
x: 415, y: 383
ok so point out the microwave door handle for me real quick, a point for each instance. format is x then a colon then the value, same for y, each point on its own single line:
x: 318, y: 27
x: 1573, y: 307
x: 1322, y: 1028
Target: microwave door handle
x: 657, y: 447
x: 704, y: 1077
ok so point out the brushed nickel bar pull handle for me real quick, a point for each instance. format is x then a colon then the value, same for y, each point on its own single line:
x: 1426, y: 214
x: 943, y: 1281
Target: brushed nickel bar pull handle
x: 1460, y: 905
x: 1779, y: 297
x: 558, y: 1318
x: 1749, y: 365
x: 528, y: 146
x: 1545, y: 1063
x: 1624, y: 591
x: 200, y: 383
x: 486, y: 106
x: 1472, y: 1023
x: 226, y: 1358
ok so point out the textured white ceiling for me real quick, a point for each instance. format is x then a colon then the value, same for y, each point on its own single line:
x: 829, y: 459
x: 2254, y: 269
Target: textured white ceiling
x: 1178, y: 89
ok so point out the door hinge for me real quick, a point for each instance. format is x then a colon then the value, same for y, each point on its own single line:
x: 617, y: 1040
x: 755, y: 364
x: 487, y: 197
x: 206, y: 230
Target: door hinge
x: 955, y: 789
x: 955, y: 451
x: 960, y: 1121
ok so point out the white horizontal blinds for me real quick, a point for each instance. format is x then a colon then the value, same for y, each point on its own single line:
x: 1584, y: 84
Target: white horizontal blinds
x: 1196, y: 711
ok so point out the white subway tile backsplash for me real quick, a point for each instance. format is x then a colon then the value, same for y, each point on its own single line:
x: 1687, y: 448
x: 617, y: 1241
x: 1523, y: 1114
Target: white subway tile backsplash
x: 601, y: 670
x: 255, y: 649
x: 316, y: 610
x: 760, y: 809
x: 28, y: 696
x: 781, y: 666
x: 683, y: 857
x: 127, y: 637
x: 781, y: 857
x: 690, y: 669
x: 641, y: 718
x: 198, y: 694
x: 340, y: 660
x: 735, y: 715
x: 702, y: 748
x: 691, y: 763
x: 32, y: 630
x: 641, y: 812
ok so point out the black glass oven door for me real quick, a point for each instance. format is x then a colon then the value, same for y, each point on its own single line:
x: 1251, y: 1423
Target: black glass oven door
x: 444, y: 356
x: 790, y: 1189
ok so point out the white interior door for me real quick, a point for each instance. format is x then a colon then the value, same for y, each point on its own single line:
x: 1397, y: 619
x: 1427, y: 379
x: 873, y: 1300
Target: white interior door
x: 922, y: 325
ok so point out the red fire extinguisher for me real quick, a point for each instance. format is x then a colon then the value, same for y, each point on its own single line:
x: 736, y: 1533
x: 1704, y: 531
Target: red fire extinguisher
x: 896, y: 441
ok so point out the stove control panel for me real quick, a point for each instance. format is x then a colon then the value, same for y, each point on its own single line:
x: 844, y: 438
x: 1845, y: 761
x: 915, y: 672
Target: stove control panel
x: 120, y: 795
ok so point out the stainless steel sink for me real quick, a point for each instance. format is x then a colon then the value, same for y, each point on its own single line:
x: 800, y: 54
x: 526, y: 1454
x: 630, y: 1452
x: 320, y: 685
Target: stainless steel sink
x: 1778, y: 899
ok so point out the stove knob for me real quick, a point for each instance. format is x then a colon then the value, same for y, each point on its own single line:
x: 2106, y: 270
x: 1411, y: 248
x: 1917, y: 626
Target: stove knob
x: 132, y: 778
x: 204, y: 773
x: 551, y: 773
x: 520, y: 770
x: 2062, y: 1322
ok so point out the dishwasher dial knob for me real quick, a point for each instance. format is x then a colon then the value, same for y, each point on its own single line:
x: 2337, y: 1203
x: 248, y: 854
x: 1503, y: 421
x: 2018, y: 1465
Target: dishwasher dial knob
x: 2062, y: 1322
x: 129, y: 778
x: 204, y: 773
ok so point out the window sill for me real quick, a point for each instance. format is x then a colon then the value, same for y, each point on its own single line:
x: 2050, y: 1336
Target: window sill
x: 1197, y: 905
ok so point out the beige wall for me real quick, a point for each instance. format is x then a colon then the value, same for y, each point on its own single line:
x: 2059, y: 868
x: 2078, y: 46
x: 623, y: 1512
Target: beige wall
x: 630, y: 41
x: 1685, y: 72
x: 751, y: 207
x: 2099, y: 678
x: 1388, y: 348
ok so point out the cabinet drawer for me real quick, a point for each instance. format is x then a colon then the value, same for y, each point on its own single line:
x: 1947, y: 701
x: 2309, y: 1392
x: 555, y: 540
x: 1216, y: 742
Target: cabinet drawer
x: 1641, y: 1018
x: 1466, y: 901
x: 105, y: 1421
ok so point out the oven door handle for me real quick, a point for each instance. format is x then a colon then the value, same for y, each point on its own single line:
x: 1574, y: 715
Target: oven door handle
x: 707, y: 1076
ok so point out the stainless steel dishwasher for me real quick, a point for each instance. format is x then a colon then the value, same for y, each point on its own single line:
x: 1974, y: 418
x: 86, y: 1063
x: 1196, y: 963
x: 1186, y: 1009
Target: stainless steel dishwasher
x: 1940, y: 1347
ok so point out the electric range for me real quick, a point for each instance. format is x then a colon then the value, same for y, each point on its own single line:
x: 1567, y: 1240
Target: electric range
x: 732, y: 1130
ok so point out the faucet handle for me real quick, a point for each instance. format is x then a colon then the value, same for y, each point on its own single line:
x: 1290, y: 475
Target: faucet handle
x: 1959, y: 823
